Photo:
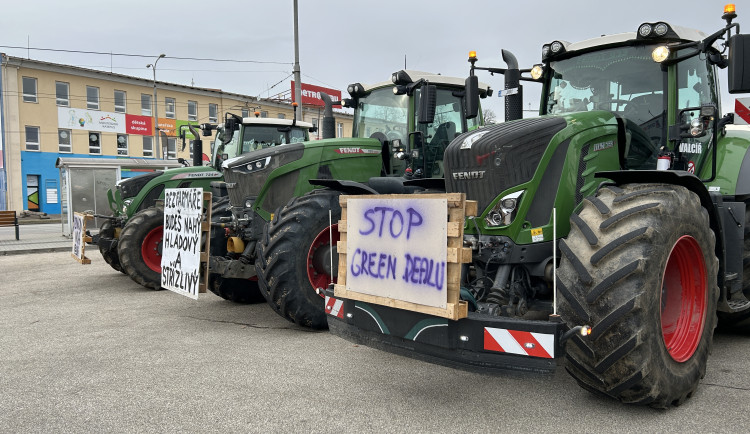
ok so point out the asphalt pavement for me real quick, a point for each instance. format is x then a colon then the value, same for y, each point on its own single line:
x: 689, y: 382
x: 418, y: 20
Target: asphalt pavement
x: 85, y: 349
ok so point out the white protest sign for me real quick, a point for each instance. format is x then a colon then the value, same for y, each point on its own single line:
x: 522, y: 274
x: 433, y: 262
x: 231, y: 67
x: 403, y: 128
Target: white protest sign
x: 78, y: 236
x: 181, y: 247
x: 396, y: 248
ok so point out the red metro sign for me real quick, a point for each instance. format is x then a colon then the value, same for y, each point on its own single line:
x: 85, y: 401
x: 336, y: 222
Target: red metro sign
x: 311, y: 94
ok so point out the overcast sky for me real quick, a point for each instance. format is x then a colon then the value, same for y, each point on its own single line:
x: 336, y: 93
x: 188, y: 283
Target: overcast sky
x: 341, y: 41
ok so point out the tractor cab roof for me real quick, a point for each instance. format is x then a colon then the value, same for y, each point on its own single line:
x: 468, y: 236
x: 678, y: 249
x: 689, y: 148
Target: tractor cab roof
x: 275, y: 122
x: 657, y: 32
x: 428, y: 76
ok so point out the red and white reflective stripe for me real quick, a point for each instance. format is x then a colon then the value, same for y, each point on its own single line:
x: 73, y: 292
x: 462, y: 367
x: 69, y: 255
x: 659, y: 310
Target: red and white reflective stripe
x: 518, y: 342
x: 334, y: 307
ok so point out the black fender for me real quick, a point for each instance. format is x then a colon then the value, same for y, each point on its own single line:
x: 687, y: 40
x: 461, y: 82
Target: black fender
x: 346, y: 187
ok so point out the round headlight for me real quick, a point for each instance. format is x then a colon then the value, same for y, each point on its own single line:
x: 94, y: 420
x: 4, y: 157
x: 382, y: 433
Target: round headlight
x: 556, y: 46
x: 394, y: 78
x: 508, y: 204
x: 248, y: 203
x: 395, y: 90
x: 644, y: 30
x: 696, y: 127
x: 350, y: 88
x: 536, y: 72
x: 661, y: 29
x: 660, y: 53
x: 545, y: 51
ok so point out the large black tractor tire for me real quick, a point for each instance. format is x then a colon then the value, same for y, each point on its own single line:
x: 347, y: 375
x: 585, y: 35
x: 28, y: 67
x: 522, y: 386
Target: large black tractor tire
x: 293, y: 257
x: 739, y: 321
x: 107, y: 231
x: 639, y: 267
x: 236, y: 290
x: 140, y: 247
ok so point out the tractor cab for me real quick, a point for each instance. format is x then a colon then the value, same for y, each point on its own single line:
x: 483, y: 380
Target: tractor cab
x: 418, y: 114
x: 661, y: 81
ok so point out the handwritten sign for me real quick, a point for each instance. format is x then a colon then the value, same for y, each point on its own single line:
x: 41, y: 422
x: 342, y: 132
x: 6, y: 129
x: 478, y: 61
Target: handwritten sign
x: 181, y: 249
x: 78, y: 235
x: 396, y: 248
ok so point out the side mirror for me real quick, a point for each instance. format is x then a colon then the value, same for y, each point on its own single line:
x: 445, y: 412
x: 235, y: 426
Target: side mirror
x: 427, y: 104
x: 472, y: 96
x: 230, y: 126
x: 739, y: 56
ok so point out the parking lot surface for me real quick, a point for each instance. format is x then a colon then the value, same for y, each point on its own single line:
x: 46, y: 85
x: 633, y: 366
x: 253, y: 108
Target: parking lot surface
x: 85, y: 349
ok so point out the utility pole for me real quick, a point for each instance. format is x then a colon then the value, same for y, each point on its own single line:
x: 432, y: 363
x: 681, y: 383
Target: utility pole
x: 297, y: 74
x: 156, y: 120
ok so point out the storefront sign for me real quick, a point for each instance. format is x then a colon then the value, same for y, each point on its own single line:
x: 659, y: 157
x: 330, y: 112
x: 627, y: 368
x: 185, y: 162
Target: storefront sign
x: 141, y: 125
x: 311, y: 94
x: 90, y: 120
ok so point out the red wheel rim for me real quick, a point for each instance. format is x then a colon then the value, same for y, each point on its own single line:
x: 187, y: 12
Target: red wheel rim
x: 151, y: 248
x: 319, y: 277
x: 683, y: 299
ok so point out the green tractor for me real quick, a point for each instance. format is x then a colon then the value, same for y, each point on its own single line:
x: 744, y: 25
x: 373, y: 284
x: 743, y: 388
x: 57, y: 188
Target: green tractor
x: 279, y: 235
x: 130, y: 241
x: 612, y: 230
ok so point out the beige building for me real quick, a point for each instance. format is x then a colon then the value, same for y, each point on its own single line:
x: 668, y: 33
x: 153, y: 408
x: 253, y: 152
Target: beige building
x: 51, y: 110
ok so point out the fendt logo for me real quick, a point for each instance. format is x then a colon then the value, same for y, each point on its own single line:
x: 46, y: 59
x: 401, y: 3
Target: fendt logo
x: 475, y: 174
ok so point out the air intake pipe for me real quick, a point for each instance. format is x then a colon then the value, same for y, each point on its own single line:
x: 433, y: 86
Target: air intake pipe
x: 512, y: 78
x: 328, y: 129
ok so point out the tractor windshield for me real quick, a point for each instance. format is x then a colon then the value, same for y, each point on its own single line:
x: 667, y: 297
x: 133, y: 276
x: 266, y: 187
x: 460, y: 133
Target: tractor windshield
x: 256, y: 137
x: 448, y: 124
x: 221, y: 151
x: 624, y: 80
x: 382, y: 113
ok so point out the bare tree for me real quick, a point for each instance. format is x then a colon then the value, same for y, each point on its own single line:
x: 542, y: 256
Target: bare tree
x: 489, y: 116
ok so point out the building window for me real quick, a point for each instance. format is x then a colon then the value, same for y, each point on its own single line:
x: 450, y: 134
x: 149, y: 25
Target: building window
x: 213, y: 113
x: 95, y: 143
x: 171, y: 147
x: 64, y: 141
x: 120, y: 101
x: 192, y: 111
x: 264, y: 113
x: 62, y: 93
x: 32, y: 138
x: 29, y: 89
x: 122, y: 144
x: 282, y: 116
x: 92, y: 98
x: 340, y: 129
x: 145, y: 104
x: 245, y: 113
x: 148, y: 146
x: 169, y: 108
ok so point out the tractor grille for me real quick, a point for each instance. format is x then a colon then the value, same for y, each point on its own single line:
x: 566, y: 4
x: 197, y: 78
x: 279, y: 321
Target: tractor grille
x: 245, y: 179
x: 505, y: 155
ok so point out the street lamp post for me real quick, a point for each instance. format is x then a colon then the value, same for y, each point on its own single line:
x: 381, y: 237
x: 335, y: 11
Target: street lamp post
x: 156, y: 120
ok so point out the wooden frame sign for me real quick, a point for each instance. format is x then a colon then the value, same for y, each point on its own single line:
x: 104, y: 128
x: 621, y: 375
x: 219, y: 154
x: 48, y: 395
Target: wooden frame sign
x: 404, y: 251
x: 80, y: 238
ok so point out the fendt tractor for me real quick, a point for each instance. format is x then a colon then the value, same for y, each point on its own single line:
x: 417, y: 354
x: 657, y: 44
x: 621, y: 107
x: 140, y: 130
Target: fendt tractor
x: 279, y: 237
x: 648, y: 186
x: 131, y: 240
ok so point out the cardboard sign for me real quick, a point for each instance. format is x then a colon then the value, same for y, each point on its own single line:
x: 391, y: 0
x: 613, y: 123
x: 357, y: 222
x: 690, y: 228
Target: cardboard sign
x: 80, y: 238
x: 181, y: 248
x: 396, y: 249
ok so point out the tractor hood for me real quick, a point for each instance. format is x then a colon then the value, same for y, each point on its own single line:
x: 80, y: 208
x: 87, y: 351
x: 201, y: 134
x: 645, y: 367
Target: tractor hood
x: 528, y: 153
